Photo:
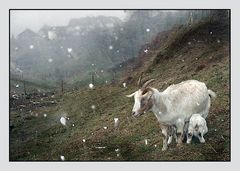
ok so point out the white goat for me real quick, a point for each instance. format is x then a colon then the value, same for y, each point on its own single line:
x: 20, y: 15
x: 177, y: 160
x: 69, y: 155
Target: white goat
x: 197, y: 127
x: 174, y: 106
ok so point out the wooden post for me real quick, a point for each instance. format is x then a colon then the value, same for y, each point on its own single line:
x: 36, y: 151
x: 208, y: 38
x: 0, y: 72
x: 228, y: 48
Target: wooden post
x: 62, y: 87
x: 24, y: 86
x: 93, y: 81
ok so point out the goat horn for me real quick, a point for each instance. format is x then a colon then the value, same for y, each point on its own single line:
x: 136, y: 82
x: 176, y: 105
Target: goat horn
x: 139, y: 84
x: 147, y: 83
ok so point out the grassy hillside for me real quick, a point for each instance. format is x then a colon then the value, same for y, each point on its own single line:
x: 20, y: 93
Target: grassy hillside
x: 200, y: 52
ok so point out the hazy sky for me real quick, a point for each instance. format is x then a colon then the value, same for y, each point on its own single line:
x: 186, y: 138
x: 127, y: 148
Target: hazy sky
x: 35, y: 19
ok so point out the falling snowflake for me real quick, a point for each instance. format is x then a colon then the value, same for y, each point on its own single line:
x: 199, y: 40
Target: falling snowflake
x: 62, y: 158
x: 182, y: 60
x: 51, y: 35
x: 147, y: 30
x: 17, y: 86
x: 118, y: 155
x: 189, y: 43
x: 100, y: 147
x: 218, y: 41
x: 45, y: 115
x: 77, y: 28
x: 155, y: 145
x: 93, y: 64
x: 116, y: 38
x: 211, y: 32
x: 63, y: 120
x: 93, y: 107
x: 198, y: 104
x: 106, y: 81
x: 91, y: 86
x: 117, y: 150
x: 73, y: 125
x: 84, y: 140
x: 69, y: 50
x: 215, y: 130
x: 120, y: 66
x: 50, y: 60
x: 110, y: 47
x: 16, y: 48
x: 101, y: 71
x: 222, y: 120
x: 124, y: 85
x: 196, y: 58
x: 146, y: 50
x: 31, y: 46
x: 117, y: 51
x: 116, y: 121
x: 52, y: 96
x: 105, y: 127
x: 146, y: 142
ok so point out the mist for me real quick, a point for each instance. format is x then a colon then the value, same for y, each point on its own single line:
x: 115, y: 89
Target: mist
x: 35, y: 19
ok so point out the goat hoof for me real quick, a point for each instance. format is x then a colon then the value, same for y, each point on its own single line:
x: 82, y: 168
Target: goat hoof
x: 164, y: 148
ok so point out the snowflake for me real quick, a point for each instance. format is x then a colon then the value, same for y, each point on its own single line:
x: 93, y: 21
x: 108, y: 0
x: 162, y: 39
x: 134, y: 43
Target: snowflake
x: 146, y: 142
x: 91, y: 86
x: 189, y: 43
x: 101, y: 71
x: 51, y: 35
x: 93, y: 107
x: 62, y: 158
x: 211, y: 32
x: 110, y: 47
x: 69, y: 50
x: 63, y: 120
x: 84, y: 140
x: 147, y: 30
x: 16, y: 48
x: 218, y: 41
x: 146, y: 50
x: 105, y: 127
x: 77, y: 28
x: 50, y: 60
x: 124, y: 85
x: 45, y: 115
x: 73, y: 125
x: 17, y: 86
x: 106, y: 81
x: 31, y: 46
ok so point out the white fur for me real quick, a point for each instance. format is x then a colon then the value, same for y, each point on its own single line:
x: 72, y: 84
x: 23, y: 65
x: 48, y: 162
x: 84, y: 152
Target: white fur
x: 176, y: 104
x: 197, y: 125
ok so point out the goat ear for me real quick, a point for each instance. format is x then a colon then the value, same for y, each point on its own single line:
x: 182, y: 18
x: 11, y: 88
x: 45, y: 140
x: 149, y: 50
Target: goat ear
x: 130, y: 95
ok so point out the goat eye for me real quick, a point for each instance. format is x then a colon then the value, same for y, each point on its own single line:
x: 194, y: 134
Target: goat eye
x: 189, y: 134
x: 200, y: 134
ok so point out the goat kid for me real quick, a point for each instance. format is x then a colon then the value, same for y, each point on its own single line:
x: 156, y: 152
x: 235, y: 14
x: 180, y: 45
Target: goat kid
x: 197, y: 127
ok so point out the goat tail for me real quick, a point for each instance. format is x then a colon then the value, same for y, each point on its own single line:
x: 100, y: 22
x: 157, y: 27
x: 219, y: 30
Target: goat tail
x: 212, y: 94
